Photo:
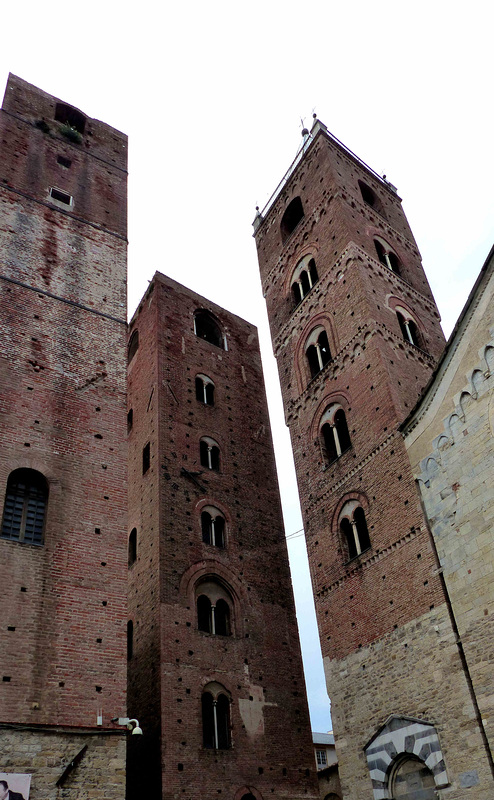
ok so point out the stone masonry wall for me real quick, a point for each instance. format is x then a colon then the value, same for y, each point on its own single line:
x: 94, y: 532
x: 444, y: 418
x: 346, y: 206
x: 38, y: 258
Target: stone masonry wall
x: 382, y: 679
x: 98, y: 775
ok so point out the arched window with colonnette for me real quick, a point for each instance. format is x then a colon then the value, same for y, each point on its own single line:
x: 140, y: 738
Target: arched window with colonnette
x: 317, y: 350
x: 214, y: 605
x: 334, y: 432
x: 209, y: 453
x: 213, y: 526
x: 216, y: 725
x: 387, y: 256
x: 352, y: 524
x: 303, y: 279
x: 204, y: 390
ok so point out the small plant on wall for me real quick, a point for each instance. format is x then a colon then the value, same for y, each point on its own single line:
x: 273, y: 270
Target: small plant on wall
x: 71, y: 133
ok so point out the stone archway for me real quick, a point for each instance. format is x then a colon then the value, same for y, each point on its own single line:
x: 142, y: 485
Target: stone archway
x: 411, y: 779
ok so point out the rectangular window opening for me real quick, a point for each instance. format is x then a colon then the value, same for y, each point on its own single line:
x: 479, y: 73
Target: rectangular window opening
x: 62, y: 197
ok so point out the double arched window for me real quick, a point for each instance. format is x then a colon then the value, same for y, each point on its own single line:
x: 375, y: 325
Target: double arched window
x: 206, y: 327
x: 303, y: 279
x: 334, y: 431
x: 386, y: 256
x: 215, y: 703
x: 204, y: 390
x: 209, y: 453
x: 293, y: 214
x: 25, y: 506
x: 408, y: 327
x: 214, y: 605
x: 317, y: 350
x: 353, y: 528
x: 213, y: 527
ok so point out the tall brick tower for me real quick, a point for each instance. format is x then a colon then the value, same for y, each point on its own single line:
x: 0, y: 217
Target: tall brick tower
x: 215, y: 672
x: 356, y: 335
x: 63, y: 539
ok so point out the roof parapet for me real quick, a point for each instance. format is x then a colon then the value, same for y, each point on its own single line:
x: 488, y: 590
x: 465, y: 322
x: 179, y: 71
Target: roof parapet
x: 308, y: 138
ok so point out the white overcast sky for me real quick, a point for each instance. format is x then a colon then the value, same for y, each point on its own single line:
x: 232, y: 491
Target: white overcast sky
x: 211, y: 95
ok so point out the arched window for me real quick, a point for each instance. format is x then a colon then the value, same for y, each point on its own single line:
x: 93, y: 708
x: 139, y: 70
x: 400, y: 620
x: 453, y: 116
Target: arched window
x: 132, y: 546
x: 206, y: 327
x: 408, y: 328
x: 411, y: 779
x: 370, y: 198
x: 204, y: 390
x: 353, y: 528
x: 133, y: 346
x: 318, y: 352
x: 25, y: 505
x: 303, y: 278
x: 213, y: 527
x: 215, y: 718
x: 334, y: 430
x: 291, y: 218
x: 70, y: 116
x: 213, y: 608
x: 386, y: 256
x: 209, y: 453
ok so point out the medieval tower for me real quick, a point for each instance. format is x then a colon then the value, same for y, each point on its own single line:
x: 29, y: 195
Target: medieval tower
x: 356, y: 335
x: 63, y: 460
x: 214, y: 657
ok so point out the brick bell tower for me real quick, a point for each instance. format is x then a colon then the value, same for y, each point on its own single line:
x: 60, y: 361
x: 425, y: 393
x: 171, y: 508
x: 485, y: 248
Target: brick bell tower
x: 214, y: 656
x: 356, y: 334
x: 63, y: 544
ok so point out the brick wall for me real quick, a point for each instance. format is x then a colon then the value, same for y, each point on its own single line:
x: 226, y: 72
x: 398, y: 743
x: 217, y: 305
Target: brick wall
x: 374, y: 610
x: 62, y: 401
x: 259, y: 665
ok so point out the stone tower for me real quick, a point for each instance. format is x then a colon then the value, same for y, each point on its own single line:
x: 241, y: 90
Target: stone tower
x: 356, y: 335
x: 215, y: 671
x: 63, y: 539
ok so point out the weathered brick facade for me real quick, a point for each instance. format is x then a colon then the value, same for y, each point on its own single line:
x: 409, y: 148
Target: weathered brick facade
x: 176, y: 658
x: 378, y: 591
x: 62, y: 400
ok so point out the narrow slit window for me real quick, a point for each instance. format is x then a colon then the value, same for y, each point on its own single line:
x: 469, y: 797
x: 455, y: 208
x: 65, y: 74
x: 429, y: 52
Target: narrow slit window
x: 146, y: 458
x: 132, y: 547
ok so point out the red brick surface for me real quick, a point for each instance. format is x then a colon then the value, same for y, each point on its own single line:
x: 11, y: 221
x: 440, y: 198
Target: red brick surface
x: 62, y: 412
x: 259, y: 664
x: 376, y: 376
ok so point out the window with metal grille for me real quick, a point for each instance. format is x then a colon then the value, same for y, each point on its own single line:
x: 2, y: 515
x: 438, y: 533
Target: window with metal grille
x: 24, y: 511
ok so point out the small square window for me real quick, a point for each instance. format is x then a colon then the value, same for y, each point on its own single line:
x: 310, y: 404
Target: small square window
x: 64, y: 162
